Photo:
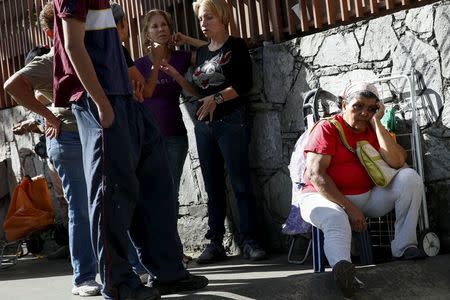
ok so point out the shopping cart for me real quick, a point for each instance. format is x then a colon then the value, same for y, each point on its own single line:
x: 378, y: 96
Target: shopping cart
x: 10, y: 252
x: 399, y: 91
x: 25, y: 215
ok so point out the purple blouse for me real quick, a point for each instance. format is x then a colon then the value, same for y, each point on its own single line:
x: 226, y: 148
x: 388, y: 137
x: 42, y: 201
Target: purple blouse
x: 164, y: 103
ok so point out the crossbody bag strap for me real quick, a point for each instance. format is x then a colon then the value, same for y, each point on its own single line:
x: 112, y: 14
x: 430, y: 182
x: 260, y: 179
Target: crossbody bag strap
x: 341, y: 134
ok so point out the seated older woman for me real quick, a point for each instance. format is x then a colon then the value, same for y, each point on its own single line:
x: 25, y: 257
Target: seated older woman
x: 339, y: 193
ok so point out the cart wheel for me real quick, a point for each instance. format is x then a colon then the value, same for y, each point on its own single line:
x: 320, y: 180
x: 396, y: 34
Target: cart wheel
x: 35, y: 244
x: 430, y: 244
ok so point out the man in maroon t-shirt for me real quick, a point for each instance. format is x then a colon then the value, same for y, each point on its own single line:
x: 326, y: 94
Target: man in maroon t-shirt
x: 130, y: 188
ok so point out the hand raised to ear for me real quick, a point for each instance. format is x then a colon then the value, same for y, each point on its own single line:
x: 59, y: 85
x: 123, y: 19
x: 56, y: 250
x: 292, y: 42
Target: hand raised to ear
x: 379, y: 114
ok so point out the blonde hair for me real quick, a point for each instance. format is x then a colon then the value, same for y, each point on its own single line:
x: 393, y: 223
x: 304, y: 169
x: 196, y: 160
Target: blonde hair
x: 220, y: 8
x: 146, y: 24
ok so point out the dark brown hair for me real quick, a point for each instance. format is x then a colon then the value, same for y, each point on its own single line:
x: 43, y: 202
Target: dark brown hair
x: 46, y: 16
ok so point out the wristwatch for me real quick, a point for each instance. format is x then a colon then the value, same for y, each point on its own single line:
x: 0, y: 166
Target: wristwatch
x: 218, y: 98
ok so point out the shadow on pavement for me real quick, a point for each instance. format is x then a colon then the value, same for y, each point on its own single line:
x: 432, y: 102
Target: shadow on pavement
x: 240, y: 279
x: 36, y: 267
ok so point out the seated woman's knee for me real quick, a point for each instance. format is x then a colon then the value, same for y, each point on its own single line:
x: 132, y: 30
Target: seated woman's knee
x: 326, y: 217
x: 408, y: 177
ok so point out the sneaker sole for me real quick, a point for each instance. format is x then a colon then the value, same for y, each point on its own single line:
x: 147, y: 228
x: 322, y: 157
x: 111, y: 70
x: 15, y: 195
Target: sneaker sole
x: 86, y: 294
x: 83, y: 294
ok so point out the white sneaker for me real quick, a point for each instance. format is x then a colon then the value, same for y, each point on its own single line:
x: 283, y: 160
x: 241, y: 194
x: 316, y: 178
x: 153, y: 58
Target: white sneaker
x: 87, y: 288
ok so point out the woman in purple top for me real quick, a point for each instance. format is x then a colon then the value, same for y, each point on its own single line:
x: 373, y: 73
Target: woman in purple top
x: 162, y: 69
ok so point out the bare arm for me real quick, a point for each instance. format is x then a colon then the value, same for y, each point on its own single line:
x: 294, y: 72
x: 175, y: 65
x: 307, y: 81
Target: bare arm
x: 180, y: 39
x: 74, y: 45
x: 394, y: 154
x: 150, y: 84
x: 193, y: 58
x: 29, y: 125
x: 156, y: 53
x: 185, y: 85
x: 316, y: 170
x: 22, y: 91
x: 42, y: 98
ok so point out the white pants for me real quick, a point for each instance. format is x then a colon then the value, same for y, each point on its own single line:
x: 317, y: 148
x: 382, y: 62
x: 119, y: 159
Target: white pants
x: 404, y: 193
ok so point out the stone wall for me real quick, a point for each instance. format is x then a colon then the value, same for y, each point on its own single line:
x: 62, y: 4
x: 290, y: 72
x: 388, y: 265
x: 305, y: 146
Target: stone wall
x: 416, y: 39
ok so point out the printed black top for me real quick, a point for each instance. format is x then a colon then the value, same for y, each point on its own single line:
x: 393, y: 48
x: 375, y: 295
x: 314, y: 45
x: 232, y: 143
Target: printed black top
x: 228, y: 66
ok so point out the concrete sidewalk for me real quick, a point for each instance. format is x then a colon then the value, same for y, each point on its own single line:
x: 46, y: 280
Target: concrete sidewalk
x: 40, y: 279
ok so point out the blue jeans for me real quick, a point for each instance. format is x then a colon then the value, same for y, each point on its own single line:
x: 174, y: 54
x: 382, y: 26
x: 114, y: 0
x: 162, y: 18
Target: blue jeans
x: 225, y: 142
x: 130, y: 194
x: 65, y: 154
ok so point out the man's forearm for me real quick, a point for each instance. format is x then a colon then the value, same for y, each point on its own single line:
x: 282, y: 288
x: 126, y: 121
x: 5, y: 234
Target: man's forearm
x: 84, y: 68
x: 21, y: 91
x: 74, y: 31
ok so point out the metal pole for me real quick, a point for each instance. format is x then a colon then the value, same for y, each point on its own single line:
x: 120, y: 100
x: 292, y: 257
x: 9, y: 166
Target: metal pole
x: 416, y: 146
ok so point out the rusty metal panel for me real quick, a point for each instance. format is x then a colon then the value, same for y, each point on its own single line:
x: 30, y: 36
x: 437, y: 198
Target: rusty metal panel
x: 317, y: 13
x: 265, y: 19
x: 343, y: 4
x: 331, y: 11
x: 255, y: 20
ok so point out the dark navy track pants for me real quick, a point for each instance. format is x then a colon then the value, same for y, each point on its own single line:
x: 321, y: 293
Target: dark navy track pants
x: 130, y: 191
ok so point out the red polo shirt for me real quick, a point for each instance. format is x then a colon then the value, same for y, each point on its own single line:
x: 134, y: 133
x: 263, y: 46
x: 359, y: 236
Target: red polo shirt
x: 345, y: 169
